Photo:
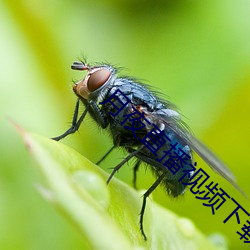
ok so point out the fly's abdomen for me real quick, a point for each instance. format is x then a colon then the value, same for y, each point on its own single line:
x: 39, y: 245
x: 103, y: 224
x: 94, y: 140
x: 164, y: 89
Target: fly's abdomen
x: 173, y: 159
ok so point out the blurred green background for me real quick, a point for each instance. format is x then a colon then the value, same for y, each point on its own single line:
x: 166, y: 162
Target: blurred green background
x: 195, y: 52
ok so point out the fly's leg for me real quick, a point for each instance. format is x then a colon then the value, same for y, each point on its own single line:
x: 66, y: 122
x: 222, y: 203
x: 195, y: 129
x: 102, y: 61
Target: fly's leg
x: 123, y: 162
x: 136, y: 167
x: 105, y: 155
x: 75, y: 124
x: 97, y: 114
x: 145, y: 196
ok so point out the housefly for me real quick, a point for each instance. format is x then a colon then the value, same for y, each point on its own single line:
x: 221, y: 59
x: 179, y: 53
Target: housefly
x: 131, y: 111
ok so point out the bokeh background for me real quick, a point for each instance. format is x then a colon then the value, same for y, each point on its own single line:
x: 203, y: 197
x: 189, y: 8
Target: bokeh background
x: 195, y: 52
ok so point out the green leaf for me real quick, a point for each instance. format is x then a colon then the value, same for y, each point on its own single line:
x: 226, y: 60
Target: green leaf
x: 107, y: 215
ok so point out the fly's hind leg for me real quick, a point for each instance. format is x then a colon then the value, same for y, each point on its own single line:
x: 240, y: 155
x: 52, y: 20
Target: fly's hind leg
x: 135, y: 169
x: 145, y: 196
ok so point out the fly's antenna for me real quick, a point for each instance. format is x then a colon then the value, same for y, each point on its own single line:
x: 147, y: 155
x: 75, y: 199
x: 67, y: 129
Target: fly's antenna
x: 80, y: 66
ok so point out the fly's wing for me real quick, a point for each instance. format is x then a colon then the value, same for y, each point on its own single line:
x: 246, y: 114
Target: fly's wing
x: 173, y: 122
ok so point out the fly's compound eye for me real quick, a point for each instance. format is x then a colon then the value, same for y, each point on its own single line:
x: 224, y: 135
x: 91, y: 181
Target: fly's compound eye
x: 97, y: 79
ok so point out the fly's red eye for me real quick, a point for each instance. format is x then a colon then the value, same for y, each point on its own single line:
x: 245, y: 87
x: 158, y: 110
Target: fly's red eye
x: 97, y: 79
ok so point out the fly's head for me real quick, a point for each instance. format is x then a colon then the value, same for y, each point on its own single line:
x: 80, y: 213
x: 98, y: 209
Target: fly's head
x: 95, y: 80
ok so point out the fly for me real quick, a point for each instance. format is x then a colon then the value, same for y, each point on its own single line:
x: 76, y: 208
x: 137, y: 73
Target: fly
x: 134, y: 115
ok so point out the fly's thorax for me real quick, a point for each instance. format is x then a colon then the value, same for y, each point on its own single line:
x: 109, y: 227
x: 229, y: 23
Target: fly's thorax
x: 92, y: 86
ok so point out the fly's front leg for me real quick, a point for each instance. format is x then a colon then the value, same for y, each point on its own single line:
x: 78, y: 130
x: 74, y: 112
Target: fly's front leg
x: 97, y: 114
x: 75, y: 123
